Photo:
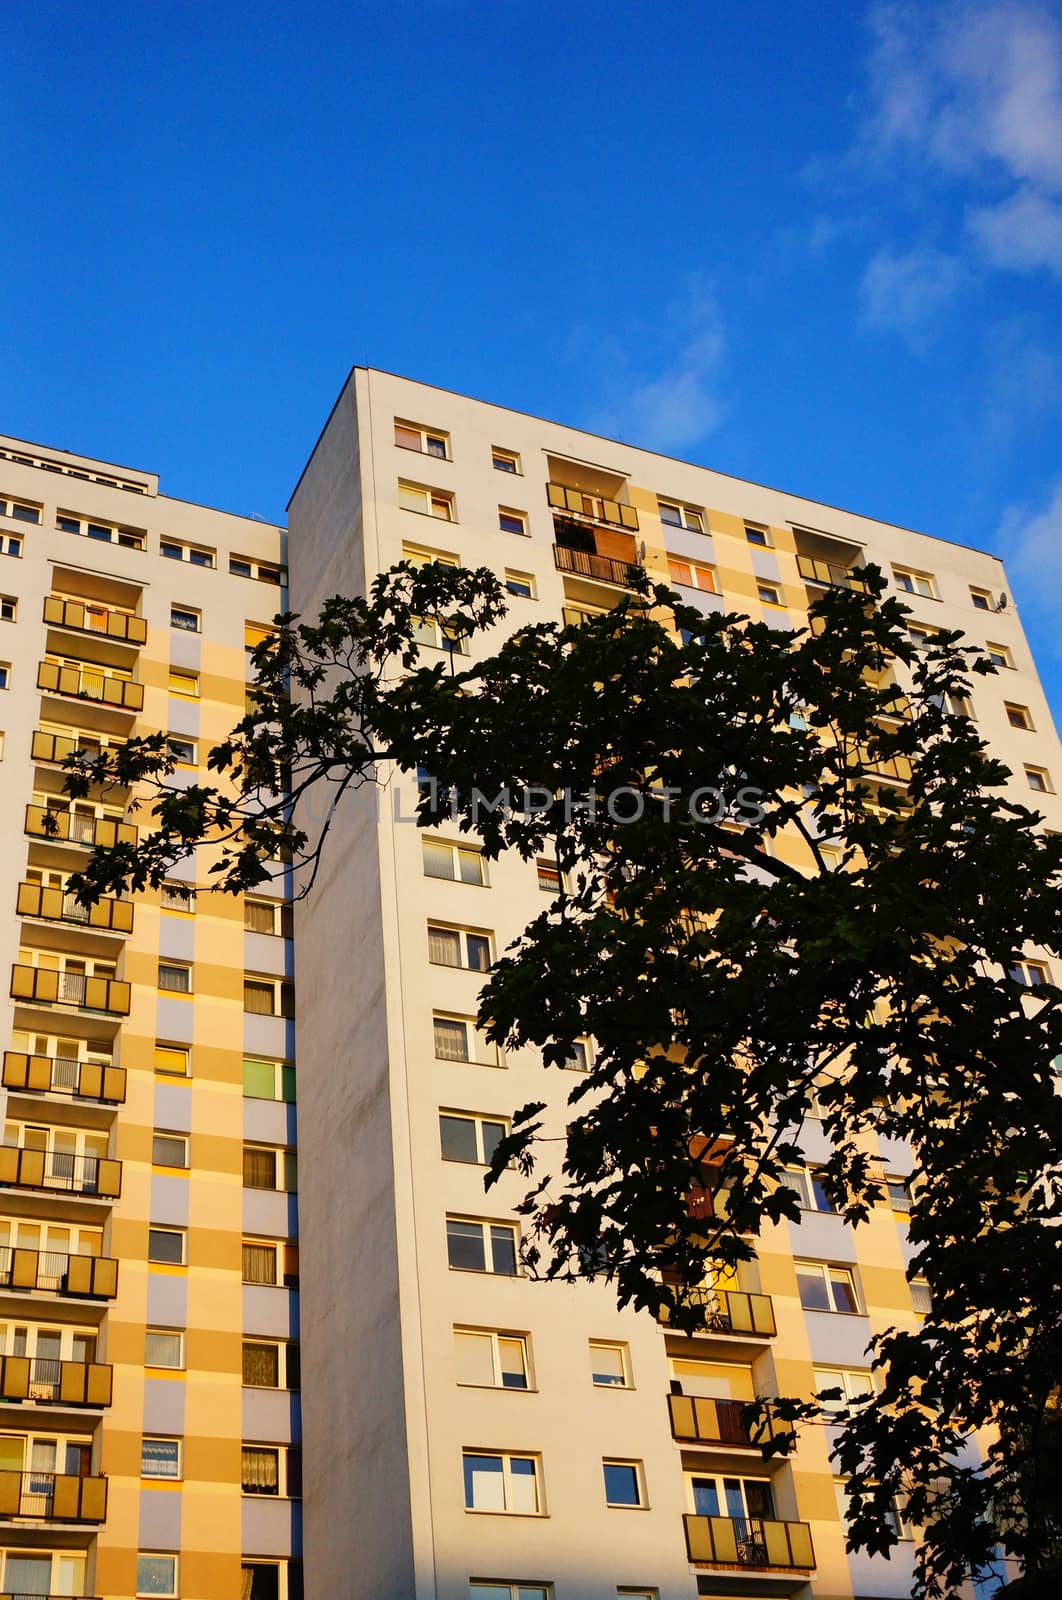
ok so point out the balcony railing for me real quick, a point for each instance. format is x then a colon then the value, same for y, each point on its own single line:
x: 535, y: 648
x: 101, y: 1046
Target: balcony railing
x: 611, y: 512
x: 60, y: 1171
x: 55, y: 1272
x: 749, y: 1542
x: 75, y: 827
x: 829, y: 575
x: 585, y: 564
x: 83, y: 618
x: 699, y: 1421
x: 730, y: 1311
x: 52, y: 1496
x: 55, y: 905
x: 46, y: 746
x: 90, y: 683
x: 896, y: 768
x: 82, y: 1080
x: 43, y: 986
x: 71, y: 1383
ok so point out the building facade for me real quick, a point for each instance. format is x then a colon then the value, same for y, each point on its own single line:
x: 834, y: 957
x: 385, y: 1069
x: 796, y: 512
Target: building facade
x: 149, y: 1437
x: 472, y: 1435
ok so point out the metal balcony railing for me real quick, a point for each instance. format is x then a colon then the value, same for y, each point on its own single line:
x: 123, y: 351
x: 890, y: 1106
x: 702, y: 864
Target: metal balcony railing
x: 90, y: 683
x: 55, y: 1272
x: 45, y: 986
x: 611, y: 512
x: 702, y: 1421
x: 829, y: 574
x: 77, y: 827
x: 731, y: 1311
x: 84, y: 1080
x: 585, y: 564
x: 52, y: 1496
x: 60, y: 1171
x: 71, y: 1383
x: 108, y: 915
x: 86, y: 618
x: 749, y: 1542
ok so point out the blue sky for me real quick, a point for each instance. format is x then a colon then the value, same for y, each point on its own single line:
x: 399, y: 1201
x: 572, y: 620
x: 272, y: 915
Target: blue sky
x: 819, y: 246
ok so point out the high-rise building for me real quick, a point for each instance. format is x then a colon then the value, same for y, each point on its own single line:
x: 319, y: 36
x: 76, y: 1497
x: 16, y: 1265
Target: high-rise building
x: 469, y: 1434
x: 473, y: 1435
x: 149, y: 1437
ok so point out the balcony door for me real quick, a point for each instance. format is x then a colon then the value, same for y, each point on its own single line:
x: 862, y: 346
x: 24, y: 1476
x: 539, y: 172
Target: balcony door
x: 740, y: 1498
x: 25, y: 1575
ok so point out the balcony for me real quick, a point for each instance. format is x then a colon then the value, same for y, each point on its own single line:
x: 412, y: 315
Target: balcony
x: 108, y: 915
x: 575, y: 502
x: 52, y: 1272
x: 52, y: 1497
x: 730, y: 1312
x: 822, y: 574
x: 68, y: 1383
x: 588, y: 564
x: 743, y: 1543
x: 698, y: 1421
x: 56, y: 747
x: 84, y: 617
x: 84, y: 682
x: 77, y: 827
x: 65, y: 1075
x: 60, y: 1172
x: 43, y: 986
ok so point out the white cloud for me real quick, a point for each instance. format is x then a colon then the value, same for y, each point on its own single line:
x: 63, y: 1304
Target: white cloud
x: 1023, y: 232
x: 903, y: 291
x: 678, y: 406
x: 1031, y: 544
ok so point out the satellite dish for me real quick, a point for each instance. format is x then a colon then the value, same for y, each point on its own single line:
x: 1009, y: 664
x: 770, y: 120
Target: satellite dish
x: 1002, y: 606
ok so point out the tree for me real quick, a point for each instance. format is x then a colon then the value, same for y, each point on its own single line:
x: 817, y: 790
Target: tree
x: 797, y: 876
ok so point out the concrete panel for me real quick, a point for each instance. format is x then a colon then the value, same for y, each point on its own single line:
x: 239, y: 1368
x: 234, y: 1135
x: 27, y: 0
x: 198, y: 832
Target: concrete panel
x: 186, y: 649
x: 274, y: 1313
x: 174, y: 1020
x: 183, y: 717
x: 265, y: 952
x: 173, y: 1106
x: 269, y: 1122
x: 177, y: 936
x: 271, y: 1527
x: 271, y: 1414
x: 703, y: 602
x: 169, y: 1200
x: 779, y: 619
x: 163, y: 1404
x: 896, y: 1154
x: 160, y: 1519
x: 821, y: 1237
x: 269, y: 1036
x: 837, y: 1341
x: 167, y: 1302
x: 697, y: 546
x: 271, y: 1214
x: 765, y: 564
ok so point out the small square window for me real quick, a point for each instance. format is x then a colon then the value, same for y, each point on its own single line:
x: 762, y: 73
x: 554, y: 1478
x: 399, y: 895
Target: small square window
x: 5, y: 675
x: 769, y: 594
x: 1038, y: 780
x: 184, y: 683
x: 920, y: 583
x: 982, y: 600
x: 163, y: 1349
x: 427, y: 501
x: 428, y: 441
x: 172, y: 1060
x: 156, y: 1575
x: 160, y: 1458
x: 609, y: 1364
x: 177, y: 896
x: 522, y: 584
x: 166, y: 1246
x: 505, y: 460
x: 999, y: 655
x: 1018, y: 716
x: 186, y: 619
x: 549, y: 877
x: 169, y: 1150
x: 757, y: 536
x: 512, y: 521
x: 10, y: 544
x: 8, y: 608
x: 175, y: 977
x: 678, y: 516
x: 623, y: 1483
x: 181, y: 750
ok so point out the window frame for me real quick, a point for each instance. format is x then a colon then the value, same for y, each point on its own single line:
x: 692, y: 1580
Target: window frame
x: 481, y: 1121
x: 460, y: 854
x: 521, y: 585
x: 1000, y: 655
x: 914, y: 578
x: 521, y: 528
x: 495, y: 1337
x: 1043, y: 783
x: 183, y: 1139
x: 182, y: 683
x: 12, y: 505
x: 506, y: 1457
x: 159, y: 1555
x: 637, y: 1470
x: 499, y: 453
x: 682, y: 513
x: 763, y: 540
x: 474, y: 1037
x: 283, y: 991
x: 192, y: 612
x: 463, y: 936
x: 1018, y: 716
x: 177, y: 1474
x: 485, y: 1226
x: 172, y: 965
x: 186, y: 550
x: 432, y: 498
x: 165, y: 1333
x: 170, y: 886
x: 695, y: 569
x: 776, y: 600
x: 258, y: 571
x: 626, y: 1380
x: 426, y: 434
x: 8, y: 608
x: 163, y: 1047
x: 825, y: 1268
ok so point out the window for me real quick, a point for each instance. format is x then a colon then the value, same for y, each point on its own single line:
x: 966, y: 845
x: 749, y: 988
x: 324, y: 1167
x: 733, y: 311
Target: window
x: 266, y: 1168
x: 169, y: 1150
x: 921, y: 635
x: 521, y: 584
x: 181, y: 750
x: 196, y: 554
x: 459, y: 1039
x: 177, y: 896
x: 186, y: 619
x: 8, y: 608
x: 580, y: 1057
x: 172, y: 1060
x: 894, y: 1518
x: 166, y: 1246
x: 512, y: 521
x: 175, y: 977
x: 501, y: 1483
x: 490, y: 1360
x: 464, y: 1136
x: 1018, y: 716
x: 459, y: 862
x: 428, y: 502
x: 509, y: 1591
x: 5, y: 675
x: 549, y: 877
x: 268, y: 997
x: 481, y: 1246
x: 1030, y: 974
x: 102, y: 532
x: 270, y: 1264
x: 183, y: 683
x: 163, y: 1349
x: 915, y: 583
x: 1037, y: 778
x: 981, y: 598
x: 270, y: 1366
x: 264, y: 571
x: 268, y: 1080
x: 898, y: 1192
x: 853, y: 1386
x: 757, y: 536
x: 20, y: 510
x: 623, y: 1483
x: 160, y: 1458
x: 10, y: 544
x: 609, y: 1365
x: 434, y: 635
x: 156, y: 1575
x: 692, y: 575
x: 808, y: 1186
x: 504, y: 460
x: 267, y: 916
x: 459, y: 947
x: 428, y: 441
x: 825, y: 1288
x: 1000, y: 655
x: 262, y: 1470
x: 676, y: 516
x: 420, y: 556
x: 921, y: 1297
x: 769, y: 594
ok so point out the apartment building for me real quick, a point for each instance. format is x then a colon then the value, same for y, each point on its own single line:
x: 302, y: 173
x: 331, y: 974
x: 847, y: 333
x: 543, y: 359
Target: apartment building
x: 149, y: 1436
x: 472, y: 1435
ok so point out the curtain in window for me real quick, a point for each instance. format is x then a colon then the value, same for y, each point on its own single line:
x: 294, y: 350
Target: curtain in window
x: 257, y: 918
x: 261, y: 1471
x: 259, y: 1263
x: 177, y: 979
x: 259, y: 999
x: 451, y: 1039
x: 444, y: 947
x: 259, y: 1169
x: 261, y: 1366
